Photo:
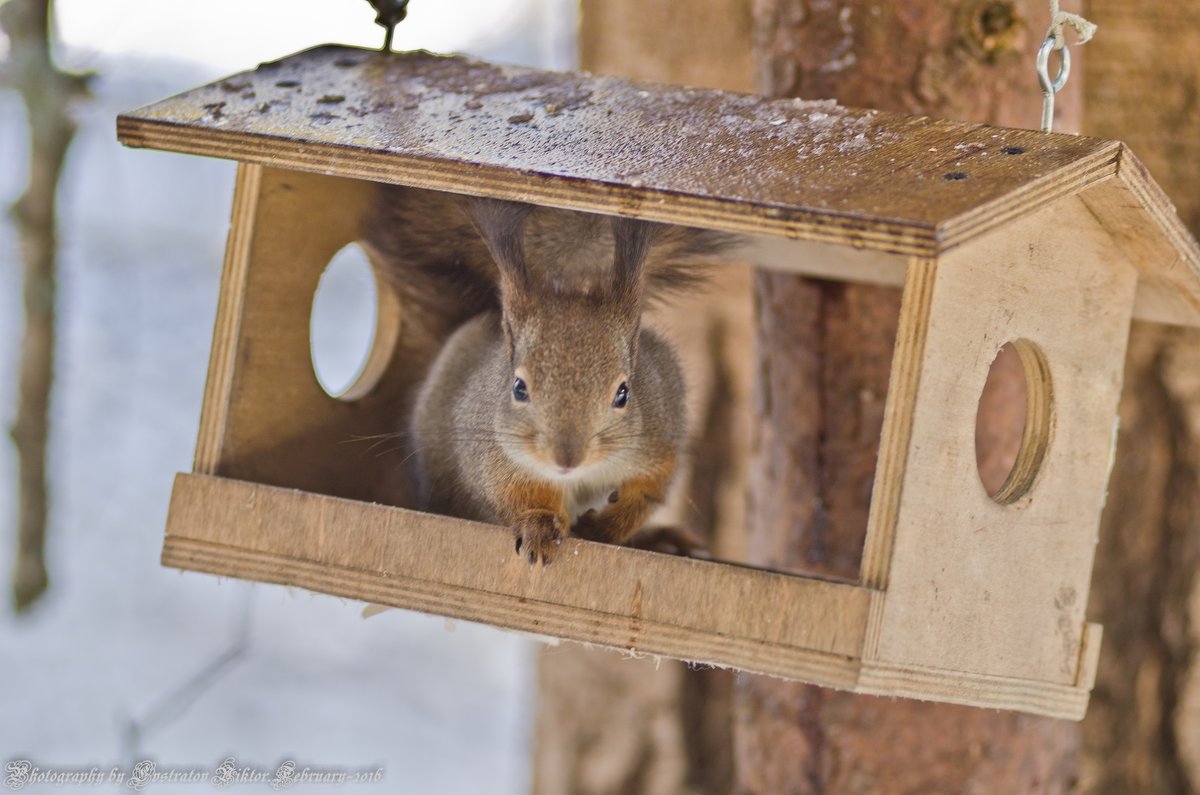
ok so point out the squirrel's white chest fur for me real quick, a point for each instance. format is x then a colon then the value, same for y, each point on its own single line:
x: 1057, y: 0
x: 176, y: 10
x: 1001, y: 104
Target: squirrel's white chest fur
x: 587, y: 488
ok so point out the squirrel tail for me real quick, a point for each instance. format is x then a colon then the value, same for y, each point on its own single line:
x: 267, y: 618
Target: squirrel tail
x: 424, y: 245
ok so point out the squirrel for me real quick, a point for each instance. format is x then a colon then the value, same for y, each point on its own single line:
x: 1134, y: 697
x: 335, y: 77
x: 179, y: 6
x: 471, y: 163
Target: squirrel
x: 545, y: 405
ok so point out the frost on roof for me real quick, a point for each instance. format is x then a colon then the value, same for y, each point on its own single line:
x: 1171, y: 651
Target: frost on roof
x: 779, y: 155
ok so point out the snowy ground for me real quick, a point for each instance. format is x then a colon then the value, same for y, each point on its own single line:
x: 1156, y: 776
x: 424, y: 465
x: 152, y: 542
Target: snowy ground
x: 439, y: 711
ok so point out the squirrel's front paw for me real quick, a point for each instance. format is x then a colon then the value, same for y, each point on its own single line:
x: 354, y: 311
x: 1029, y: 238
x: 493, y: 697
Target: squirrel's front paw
x: 539, y: 535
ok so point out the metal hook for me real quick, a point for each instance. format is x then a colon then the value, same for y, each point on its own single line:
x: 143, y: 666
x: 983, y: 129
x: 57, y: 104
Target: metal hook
x: 1051, y: 87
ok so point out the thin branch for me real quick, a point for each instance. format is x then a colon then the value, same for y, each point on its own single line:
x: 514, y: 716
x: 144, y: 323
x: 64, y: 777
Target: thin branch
x: 47, y: 93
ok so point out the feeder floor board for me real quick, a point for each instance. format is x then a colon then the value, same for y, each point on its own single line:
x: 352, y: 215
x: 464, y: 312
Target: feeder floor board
x: 642, y: 602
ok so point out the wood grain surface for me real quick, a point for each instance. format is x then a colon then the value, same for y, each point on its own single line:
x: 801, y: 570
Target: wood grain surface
x: 811, y: 170
x: 640, y: 602
x: 699, y: 157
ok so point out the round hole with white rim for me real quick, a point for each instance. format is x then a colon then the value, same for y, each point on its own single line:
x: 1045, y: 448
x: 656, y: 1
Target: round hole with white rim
x: 1013, y: 422
x: 354, y: 326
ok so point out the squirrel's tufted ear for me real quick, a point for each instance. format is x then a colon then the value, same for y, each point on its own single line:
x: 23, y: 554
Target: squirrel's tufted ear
x: 501, y: 224
x: 631, y: 244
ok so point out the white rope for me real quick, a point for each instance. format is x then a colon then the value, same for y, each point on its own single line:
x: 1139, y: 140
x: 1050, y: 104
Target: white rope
x: 1059, y: 19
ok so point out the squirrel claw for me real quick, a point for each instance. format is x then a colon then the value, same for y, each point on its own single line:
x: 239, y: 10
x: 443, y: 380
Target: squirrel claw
x: 539, y: 535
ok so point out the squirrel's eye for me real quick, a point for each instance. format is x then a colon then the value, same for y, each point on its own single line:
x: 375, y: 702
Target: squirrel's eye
x: 520, y: 391
x: 622, y: 396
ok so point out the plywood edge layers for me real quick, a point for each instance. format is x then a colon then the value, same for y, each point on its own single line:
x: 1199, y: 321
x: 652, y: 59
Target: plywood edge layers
x: 543, y: 189
x: 1068, y: 180
x: 1178, y: 274
x: 219, y: 383
x: 1169, y: 291
x: 638, y: 601
x: 903, y: 382
x: 1159, y: 207
x: 286, y: 537
x: 640, y: 637
x: 974, y: 690
x: 1142, y: 224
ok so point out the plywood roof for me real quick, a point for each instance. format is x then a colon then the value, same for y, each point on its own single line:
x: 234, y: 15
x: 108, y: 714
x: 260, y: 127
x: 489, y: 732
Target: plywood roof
x: 809, y: 170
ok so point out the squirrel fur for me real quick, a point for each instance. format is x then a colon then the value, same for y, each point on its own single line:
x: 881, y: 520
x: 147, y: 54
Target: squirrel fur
x: 545, y: 406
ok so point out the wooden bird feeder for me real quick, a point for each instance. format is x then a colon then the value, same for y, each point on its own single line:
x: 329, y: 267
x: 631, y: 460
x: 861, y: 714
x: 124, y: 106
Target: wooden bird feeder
x: 1050, y: 242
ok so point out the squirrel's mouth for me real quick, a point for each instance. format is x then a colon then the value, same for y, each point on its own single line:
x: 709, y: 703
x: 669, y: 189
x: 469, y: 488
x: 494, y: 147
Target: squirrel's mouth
x: 545, y: 467
x: 561, y: 463
x: 555, y: 472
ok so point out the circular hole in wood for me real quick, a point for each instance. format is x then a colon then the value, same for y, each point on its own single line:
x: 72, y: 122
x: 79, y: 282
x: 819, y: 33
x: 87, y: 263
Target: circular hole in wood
x: 354, y: 325
x: 1013, y: 421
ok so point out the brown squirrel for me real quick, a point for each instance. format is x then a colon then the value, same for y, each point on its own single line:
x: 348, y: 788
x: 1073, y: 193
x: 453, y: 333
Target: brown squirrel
x: 546, y: 406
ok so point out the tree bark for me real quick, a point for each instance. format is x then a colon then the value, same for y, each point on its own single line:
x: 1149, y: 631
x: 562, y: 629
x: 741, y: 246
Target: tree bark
x: 607, y: 723
x: 613, y: 725
x: 823, y: 355
x: 704, y: 43
x: 46, y: 93
x: 1142, y: 732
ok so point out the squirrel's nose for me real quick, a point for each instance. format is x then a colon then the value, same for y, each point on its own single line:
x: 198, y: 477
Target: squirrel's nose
x: 568, y: 454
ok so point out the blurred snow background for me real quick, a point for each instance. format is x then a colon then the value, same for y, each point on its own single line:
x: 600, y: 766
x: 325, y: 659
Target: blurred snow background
x: 441, y: 709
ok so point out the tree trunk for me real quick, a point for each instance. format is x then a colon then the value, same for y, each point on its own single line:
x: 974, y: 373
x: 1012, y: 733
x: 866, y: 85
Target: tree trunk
x: 824, y: 352
x: 1142, y: 732
x: 607, y: 723
x: 46, y: 93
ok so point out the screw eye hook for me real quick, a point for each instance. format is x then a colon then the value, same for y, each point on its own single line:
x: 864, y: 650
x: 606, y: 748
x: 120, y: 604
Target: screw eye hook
x: 1051, y: 87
